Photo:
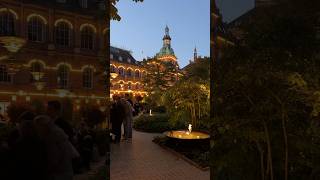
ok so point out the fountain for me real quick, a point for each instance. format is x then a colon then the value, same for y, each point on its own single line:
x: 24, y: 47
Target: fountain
x: 187, y: 134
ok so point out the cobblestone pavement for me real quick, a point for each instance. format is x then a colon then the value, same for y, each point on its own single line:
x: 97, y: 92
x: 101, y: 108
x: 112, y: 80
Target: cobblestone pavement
x: 145, y: 160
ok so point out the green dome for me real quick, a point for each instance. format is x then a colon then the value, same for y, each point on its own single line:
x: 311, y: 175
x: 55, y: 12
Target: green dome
x: 165, y: 50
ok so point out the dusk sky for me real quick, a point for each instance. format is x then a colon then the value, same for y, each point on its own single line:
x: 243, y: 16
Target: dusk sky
x: 141, y: 28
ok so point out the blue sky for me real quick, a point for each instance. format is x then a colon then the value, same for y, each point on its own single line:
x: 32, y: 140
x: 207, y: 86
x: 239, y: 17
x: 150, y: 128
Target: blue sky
x: 142, y: 26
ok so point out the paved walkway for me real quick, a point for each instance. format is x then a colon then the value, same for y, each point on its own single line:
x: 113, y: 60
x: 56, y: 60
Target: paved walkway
x: 145, y: 160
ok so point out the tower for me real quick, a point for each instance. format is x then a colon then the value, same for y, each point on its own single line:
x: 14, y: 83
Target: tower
x: 166, y: 52
x: 195, y: 54
x: 166, y: 38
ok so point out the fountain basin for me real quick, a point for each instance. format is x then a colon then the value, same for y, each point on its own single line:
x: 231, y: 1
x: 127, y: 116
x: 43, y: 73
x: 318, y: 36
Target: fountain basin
x: 182, y: 134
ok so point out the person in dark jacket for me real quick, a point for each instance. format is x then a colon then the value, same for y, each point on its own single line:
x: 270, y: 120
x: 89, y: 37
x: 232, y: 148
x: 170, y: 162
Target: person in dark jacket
x: 29, y: 160
x: 117, y: 114
x: 54, y: 111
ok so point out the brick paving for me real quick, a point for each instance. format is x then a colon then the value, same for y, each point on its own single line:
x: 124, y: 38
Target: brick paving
x: 145, y: 160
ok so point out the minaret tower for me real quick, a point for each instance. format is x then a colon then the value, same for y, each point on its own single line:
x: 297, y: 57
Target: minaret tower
x: 166, y: 38
x: 195, y: 54
x: 166, y: 52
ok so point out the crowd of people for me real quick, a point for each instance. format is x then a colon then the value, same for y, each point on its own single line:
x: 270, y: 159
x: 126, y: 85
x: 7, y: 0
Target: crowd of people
x: 45, y: 147
x: 121, y: 114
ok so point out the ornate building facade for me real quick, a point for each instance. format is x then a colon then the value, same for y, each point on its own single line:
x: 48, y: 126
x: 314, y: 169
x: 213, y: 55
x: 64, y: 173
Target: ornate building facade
x: 130, y: 73
x: 163, y: 66
x: 51, y: 50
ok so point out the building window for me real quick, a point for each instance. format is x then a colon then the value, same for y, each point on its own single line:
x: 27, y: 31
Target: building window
x: 120, y: 58
x: 7, y: 24
x: 83, y: 3
x: 36, y: 29
x: 129, y: 73
x: 36, y: 67
x: 63, y: 33
x: 111, y: 56
x: 4, y: 76
x: 121, y: 72
x: 88, y: 78
x: 137, y: 74
x: 129, y: 86
x: 112, y: 69
x: 87, y: 38
x: 129, y: 60
x: 63, y: 77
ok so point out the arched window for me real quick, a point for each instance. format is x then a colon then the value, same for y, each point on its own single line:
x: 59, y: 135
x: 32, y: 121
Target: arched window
x: 87, y: 78
x: 83, y: 3
x: 36, y: 67
x: 129, y: 86
x: 63, y: 76
x: 87, y: 38
x: 137, y: 74
x: 7, y: 24
x: 63, y: 34
x: 129, y: 72
x: 121, y: 72
x: 36, y: 29
x: 4, y: 76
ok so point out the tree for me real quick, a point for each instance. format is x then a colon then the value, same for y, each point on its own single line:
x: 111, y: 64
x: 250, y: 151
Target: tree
x: 265, y: 98
x: 160, y: 76
x: 189, y: 99
x: 114, y: 11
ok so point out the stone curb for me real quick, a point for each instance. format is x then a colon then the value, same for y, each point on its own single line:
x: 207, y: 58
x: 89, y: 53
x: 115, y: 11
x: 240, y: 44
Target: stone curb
x: 183, y: 157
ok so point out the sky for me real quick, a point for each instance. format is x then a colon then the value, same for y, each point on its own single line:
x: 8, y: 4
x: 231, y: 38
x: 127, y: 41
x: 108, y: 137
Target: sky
x: 142, y: 26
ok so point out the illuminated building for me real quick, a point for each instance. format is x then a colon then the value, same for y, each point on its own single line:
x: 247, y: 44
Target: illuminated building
x: 64, y: 45
x: 130, y: 73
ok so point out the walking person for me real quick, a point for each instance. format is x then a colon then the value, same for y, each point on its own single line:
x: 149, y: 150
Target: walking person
x: 117, y: 115
x: 54, y: 111
x: 128, y: 120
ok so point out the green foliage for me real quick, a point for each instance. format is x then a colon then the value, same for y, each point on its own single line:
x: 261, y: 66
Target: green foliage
x: 265, y: 105
x: 157, y: 123
x: 188, y: 101
x: 114, y: 11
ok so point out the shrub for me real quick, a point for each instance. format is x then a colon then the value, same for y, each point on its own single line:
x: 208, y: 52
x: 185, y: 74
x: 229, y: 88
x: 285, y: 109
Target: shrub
x: 156, y: 123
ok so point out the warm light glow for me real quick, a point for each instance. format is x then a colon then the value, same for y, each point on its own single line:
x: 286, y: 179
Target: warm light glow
x: 190, y: 128
x: 39, y: 85
x: 62, y: 92
x: 63, y: 20
x: 90, y: 25
x: 38, y: 16
x: 37, y: 75
x: 12, y: 43
x: 114, y: 75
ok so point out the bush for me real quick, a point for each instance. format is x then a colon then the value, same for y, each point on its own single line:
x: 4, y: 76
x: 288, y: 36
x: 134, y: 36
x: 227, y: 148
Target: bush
x: 159, y: 109
x: 157, y: 123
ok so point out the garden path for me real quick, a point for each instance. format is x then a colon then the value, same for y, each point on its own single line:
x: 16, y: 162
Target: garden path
x: 145, y: 160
